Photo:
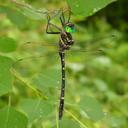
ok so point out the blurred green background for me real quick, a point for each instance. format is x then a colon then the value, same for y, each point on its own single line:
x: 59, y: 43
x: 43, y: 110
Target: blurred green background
x: 100, y: 73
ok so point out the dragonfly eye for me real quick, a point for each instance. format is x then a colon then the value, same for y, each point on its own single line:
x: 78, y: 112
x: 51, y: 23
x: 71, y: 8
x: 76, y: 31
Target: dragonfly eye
x: 69, y: 29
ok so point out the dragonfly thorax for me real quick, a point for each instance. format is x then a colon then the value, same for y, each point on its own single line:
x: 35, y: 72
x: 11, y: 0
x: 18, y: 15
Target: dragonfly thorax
x: 66, y: 41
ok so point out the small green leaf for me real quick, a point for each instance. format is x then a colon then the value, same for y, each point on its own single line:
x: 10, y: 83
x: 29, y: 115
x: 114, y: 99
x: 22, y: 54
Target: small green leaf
x: 7, y: 44
x: 5, y: 75
x: 92, y: 108
x: 37, y: 108
x: 87, y: 7
x: 10, y: 118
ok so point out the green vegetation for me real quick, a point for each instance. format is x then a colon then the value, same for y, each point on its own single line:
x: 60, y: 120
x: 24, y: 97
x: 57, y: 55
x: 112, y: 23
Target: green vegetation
x: 96, y: 71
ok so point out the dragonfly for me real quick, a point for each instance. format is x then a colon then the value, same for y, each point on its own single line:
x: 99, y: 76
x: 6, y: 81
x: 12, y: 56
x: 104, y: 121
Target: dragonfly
x: 64, y: 44
x: 66, y: 41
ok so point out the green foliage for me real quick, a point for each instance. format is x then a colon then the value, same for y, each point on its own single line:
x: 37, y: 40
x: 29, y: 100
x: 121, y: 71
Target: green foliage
x: 36, y: 108
x: 69, y: 123
x: 10, y: 118
x: 7, y: 44
x: 14, y: 16
x: 44, y: 84
x: 5, y: 75
x: 86, y: 7
x: 92, y: 108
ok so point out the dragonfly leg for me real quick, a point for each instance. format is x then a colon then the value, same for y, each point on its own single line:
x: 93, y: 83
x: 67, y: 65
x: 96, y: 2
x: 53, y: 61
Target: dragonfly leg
x: 50, y: 24
x: 62, y: 19
x: 69, y: 16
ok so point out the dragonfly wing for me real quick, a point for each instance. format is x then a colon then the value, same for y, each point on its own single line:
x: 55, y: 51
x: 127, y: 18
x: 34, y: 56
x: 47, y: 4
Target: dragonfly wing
x: 36, y: 60
x: 33, y: 13
x: 36, y: 49
x: 38, y: 67
x: 88, y: 52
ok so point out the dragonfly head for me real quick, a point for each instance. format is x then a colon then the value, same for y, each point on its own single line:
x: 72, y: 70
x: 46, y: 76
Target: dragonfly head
x: 69, y: 27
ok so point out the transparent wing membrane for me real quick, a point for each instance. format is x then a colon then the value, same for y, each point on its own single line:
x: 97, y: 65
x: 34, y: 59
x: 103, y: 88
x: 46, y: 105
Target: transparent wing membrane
x: 96, y: 46
x: 37, y: 14
x: 34, y: 57
x: 34, y: 72
x: 38, y: 65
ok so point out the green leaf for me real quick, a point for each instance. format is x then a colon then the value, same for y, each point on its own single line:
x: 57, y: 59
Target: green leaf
x: 92, y: 108
x: 87, y: 7
x: 5, y: 75
x: 122, y: 53
x: 14, y: 16
x: 101, y: 85
x: 117, y: 121
x: 10, y: 118
x: 7, y: 44
x: 37, y: 108
x: 68, y: 123
x: 47, y: 81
